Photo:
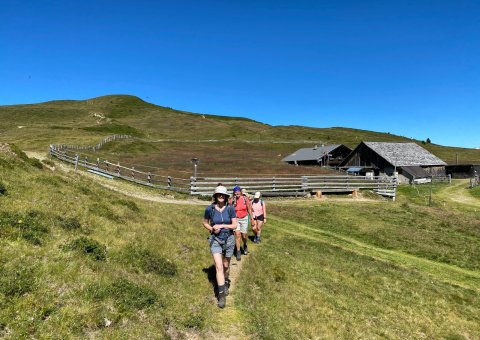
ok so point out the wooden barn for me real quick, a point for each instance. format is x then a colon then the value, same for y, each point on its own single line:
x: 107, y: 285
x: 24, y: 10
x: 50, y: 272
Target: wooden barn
x: 463, y: 170
x: 409, y: 160
x: 325, y: 155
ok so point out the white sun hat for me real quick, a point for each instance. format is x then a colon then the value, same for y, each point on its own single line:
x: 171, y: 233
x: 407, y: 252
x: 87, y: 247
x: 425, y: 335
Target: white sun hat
x: 257, y: 194
x: 221, y: 190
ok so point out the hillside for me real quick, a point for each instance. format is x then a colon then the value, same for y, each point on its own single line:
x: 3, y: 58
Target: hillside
x: 168, y: 135
x: 83, y: 256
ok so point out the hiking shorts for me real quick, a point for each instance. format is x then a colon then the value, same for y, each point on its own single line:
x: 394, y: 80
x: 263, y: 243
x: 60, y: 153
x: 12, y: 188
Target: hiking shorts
x: 260, y: 218
x: 242, y: 225
x: 225, y: 247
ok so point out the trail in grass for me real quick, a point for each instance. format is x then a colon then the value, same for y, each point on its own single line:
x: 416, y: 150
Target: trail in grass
x: 441, y: 271
x: 458, y: 193
x: 230, y: 321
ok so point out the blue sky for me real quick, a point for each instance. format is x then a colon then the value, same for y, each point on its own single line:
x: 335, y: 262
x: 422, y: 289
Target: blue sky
x: 407, y: 67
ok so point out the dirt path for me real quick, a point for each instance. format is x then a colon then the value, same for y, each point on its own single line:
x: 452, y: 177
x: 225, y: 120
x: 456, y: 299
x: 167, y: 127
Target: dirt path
x: 458, y: 192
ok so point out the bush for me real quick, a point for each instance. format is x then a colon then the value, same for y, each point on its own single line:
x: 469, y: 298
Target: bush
x: 69, y: 223
x: 126, y: 295
x: 3, y: 189
x: 148, y: 261
x: 88, y: 246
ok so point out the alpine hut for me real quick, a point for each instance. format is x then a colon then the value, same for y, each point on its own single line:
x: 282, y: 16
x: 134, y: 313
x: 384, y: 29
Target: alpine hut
x: 325, y: 155
x: 411, y: 162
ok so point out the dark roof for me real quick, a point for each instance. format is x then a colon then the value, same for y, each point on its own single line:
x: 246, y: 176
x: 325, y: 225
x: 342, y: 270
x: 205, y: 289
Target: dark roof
x: 405, y: 154
x: 415, y: 171
x: 310, y: 154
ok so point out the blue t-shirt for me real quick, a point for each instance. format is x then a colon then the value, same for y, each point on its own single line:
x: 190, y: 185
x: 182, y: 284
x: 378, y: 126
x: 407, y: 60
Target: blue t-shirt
x: 224, y: 217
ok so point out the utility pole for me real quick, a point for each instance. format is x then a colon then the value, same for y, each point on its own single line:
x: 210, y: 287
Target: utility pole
x: 195, y: 162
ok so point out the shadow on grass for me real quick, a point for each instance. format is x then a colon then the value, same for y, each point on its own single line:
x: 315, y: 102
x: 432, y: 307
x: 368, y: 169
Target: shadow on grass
x: 212, y: 278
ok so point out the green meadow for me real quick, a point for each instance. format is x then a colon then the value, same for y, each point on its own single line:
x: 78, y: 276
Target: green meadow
x: 81, y: 260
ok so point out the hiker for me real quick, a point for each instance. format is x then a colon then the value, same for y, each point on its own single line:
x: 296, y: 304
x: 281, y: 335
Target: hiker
x: 243, y: 209
x: 220, y: 220
x: 259, y: 215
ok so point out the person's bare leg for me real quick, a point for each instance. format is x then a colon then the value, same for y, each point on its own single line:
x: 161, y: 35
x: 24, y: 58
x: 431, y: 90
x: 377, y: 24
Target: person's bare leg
x: 226, y: 267
x: 238, y: 236
x: 219, y: 270
x: 259, y: 228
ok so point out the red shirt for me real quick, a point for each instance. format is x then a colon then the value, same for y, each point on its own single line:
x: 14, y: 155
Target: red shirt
x: 240, y: 206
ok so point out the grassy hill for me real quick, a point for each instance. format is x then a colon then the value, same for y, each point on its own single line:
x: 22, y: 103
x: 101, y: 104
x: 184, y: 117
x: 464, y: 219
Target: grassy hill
x: 169, y: 138
x: 81, y: 260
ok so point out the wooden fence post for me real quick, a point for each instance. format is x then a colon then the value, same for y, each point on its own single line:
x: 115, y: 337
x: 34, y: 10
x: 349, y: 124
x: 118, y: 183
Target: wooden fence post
x: 118, y: 168
x: 106, y: 165
x: 192, y: 185
x: 304, y: 183
x: 149, y: 178
x: 133, y: 173
x: 76, y: 162
x: 98, y: 162
x: 169, y: 182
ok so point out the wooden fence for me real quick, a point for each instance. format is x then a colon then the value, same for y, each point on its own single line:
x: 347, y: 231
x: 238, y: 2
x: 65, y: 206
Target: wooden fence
x: 93, y: 147
x: 116, y: 170
x: 443, y: 179
x: 294, y: 186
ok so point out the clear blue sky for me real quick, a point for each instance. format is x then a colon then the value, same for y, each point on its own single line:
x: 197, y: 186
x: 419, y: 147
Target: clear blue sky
x: 406, y: 67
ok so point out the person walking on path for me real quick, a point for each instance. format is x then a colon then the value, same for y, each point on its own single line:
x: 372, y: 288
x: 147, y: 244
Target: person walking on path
x: 220, y: 220
x: 259, y: 215
x: 243, y: 209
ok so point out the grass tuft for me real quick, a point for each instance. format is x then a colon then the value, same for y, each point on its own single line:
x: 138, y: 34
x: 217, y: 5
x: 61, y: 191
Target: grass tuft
x: 128, y: 203
x: 148, y: 261
x: 69, y: 223
x: 89, y: 247
x: 30, y: 226
x: 3, y: 189
x: 16, y: 280
x: 103, y: 210
x: 125, y: 294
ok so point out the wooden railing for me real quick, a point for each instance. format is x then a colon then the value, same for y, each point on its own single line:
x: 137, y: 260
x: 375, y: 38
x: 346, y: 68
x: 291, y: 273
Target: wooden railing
x: 119, y: 171
x: 292, y: 186
x: 93, y: 147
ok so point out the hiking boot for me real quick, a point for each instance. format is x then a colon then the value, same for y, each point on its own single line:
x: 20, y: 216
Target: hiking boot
x: 227, y: 286
x: 255, y: 240
x: 221, y: 299
x: 259, y: 239
x: 245, y: 250
x: 239, y: 255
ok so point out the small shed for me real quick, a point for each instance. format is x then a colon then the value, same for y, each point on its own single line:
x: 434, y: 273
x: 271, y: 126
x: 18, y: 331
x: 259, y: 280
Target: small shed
x: 325, y: 155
